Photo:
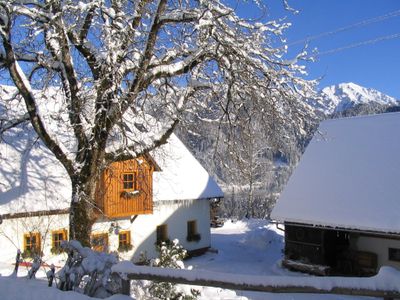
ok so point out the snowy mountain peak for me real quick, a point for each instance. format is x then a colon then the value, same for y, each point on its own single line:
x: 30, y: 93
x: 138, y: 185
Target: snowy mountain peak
x: 340, y: 97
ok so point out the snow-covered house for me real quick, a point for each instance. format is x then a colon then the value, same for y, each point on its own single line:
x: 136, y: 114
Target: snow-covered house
x: 341, y: 206
x: 164, y: 195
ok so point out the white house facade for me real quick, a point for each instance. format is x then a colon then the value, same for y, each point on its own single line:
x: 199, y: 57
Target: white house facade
x: 142, y: 232
x: 35, y: 193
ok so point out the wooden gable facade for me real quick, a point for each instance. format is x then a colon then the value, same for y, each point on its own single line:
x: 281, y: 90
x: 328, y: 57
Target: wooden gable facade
x: 126, y: 188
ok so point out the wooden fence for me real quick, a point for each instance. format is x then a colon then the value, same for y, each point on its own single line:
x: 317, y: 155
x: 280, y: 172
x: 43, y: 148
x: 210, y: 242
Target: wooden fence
x: 376, y: 286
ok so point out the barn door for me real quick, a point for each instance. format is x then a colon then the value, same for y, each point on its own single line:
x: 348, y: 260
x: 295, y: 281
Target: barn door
x: 336, y: 243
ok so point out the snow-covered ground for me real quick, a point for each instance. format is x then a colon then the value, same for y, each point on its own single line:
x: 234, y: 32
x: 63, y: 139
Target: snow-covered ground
x: 251, y: 247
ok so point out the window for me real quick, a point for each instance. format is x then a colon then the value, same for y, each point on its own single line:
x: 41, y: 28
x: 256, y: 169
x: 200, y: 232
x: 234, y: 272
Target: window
x: 99, y: 242
x: 128, y: 181
x: 162, y: 233
x: 191, y: 228
x: 31, y: 243
x: 57, y: 237
x: 394, y: 254
x: 124, y: 240
x: 192, y: 234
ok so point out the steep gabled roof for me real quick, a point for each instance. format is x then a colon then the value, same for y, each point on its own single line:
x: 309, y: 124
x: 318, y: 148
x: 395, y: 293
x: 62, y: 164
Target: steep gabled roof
x: 32, y: 180
x: 348, y: 177
x: 181, y: 176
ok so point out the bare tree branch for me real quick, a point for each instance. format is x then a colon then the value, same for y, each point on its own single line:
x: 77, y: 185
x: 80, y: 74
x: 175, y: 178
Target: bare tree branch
x: 25, y: 90
x: 8, y: 124
x: 105, y: 67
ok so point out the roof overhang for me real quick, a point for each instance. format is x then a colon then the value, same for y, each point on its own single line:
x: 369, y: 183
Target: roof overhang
x: 354, y: 230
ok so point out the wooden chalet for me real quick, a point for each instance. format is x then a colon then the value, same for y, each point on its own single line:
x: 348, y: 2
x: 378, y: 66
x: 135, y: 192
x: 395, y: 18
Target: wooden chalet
x: 126, y: 188
x: 341, y: 208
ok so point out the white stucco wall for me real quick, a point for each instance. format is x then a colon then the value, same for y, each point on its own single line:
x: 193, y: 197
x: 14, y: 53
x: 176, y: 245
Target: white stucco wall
x: 380, y: 246
x: 175, y: 214
x: 12, y: 233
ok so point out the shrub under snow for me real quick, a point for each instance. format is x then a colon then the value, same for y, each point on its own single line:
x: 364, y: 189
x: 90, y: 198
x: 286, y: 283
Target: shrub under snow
x: 88, y: 272
x: 171, y: 255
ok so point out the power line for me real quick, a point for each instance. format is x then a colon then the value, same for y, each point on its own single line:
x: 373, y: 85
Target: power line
x: 354, y: 45
x: 358, y: 24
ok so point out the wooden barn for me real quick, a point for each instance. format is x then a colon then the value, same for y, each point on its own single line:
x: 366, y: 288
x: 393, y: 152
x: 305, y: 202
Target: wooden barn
x: 162, y: 196
x: 341, y: 206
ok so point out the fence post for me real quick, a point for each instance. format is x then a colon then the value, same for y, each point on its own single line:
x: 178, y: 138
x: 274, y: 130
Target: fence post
x: 17, y: 261
x: 50, y: 275
x: 125, y: 286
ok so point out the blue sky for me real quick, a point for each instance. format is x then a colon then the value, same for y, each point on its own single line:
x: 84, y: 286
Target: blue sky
x: 375, y: 65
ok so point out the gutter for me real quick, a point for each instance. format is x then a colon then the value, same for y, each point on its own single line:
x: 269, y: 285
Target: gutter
x: 39, y: 213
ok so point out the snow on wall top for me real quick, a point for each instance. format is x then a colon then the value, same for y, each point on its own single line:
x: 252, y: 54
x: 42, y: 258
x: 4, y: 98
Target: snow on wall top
x: 31, y: 178
x: 348, y: 176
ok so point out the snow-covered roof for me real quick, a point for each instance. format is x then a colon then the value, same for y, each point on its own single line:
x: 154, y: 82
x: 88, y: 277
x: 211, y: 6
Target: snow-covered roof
x: 181, y: 176
x: 348, y: 176
x: 31, y: 178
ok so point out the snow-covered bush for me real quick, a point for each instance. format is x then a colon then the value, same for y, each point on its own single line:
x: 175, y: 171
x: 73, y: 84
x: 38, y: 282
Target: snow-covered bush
x: 31, y: 253
x: 88, y: 272
x: 171, y: 255
x: 37, y: 261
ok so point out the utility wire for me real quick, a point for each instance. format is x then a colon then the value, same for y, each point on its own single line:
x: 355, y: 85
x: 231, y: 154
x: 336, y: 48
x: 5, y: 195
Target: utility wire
x: 368, y: 42
x: 355, y: 25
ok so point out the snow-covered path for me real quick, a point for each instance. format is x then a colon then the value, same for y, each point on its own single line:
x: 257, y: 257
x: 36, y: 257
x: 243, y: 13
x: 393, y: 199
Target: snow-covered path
x: 253, y: 247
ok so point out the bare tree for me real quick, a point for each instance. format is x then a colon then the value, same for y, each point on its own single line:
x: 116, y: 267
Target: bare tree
x: 108, y: 80
x: 253, y: 155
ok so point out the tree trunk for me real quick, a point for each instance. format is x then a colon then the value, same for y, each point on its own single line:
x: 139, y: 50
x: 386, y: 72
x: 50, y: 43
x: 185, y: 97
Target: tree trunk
x: 82, y: 211
x: 250, y: 198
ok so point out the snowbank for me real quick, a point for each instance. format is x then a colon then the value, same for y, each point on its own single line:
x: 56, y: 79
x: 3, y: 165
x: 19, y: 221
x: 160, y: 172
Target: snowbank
x: 21, y: 288
x: 388, y: 279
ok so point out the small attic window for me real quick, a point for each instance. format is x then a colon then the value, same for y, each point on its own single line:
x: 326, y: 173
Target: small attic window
x: 128, y: 181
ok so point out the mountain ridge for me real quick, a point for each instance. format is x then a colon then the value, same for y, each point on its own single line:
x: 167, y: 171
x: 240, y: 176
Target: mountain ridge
x: 338, y: 98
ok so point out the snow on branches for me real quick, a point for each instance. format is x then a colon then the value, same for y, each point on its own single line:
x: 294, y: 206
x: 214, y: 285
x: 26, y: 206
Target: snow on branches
x: 87, y: 271
x: 118, y: 76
